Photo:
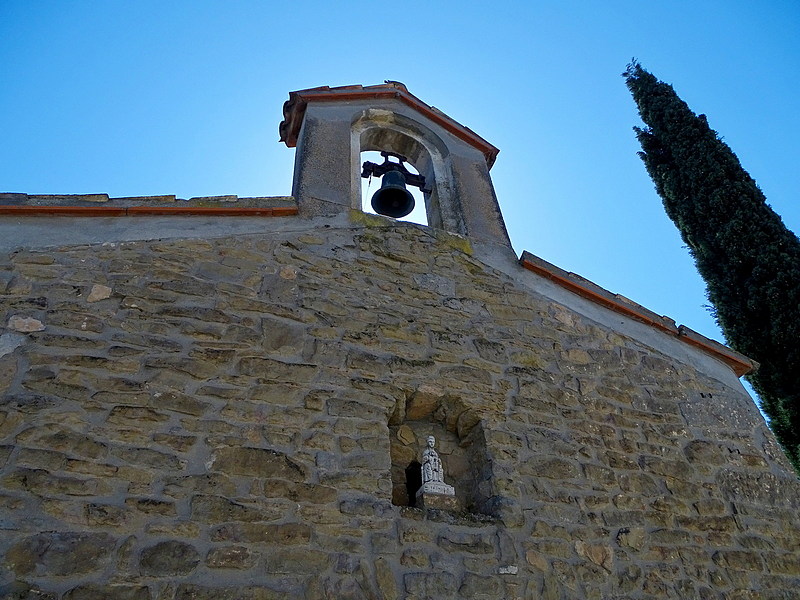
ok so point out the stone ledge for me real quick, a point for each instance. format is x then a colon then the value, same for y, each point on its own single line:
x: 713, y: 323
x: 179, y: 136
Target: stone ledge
x: 100, y: 205
x: 739, y: 363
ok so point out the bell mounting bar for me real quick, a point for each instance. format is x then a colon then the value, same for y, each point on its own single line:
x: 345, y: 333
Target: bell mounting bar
x: 371, y: 168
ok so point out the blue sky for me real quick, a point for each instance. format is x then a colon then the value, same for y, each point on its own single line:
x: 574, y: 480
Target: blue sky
x: 179, y: 97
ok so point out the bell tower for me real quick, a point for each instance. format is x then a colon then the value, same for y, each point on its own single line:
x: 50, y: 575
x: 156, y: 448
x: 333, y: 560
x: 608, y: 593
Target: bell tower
x: 331, y: 127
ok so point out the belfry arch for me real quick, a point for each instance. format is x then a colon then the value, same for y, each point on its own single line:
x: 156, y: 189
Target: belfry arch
x: 381, y: 130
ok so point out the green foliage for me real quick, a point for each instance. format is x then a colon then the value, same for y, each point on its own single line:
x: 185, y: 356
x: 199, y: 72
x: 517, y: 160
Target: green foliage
x: 748, y: 258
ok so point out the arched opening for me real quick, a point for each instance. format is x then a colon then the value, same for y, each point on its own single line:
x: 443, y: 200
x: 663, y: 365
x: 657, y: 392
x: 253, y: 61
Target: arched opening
x: 379, y: 130
x: 371, y: 185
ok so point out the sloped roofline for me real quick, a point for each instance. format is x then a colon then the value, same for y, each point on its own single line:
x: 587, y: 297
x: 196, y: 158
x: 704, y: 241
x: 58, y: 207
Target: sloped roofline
x: 739, y: 363
x: 295, y: 107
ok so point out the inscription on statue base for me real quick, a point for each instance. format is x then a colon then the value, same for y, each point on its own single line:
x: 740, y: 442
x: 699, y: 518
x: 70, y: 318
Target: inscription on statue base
x: 437, y: 501
x: 437, y: 487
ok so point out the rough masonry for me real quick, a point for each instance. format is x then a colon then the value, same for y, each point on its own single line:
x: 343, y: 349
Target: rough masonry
x: 230, y: 418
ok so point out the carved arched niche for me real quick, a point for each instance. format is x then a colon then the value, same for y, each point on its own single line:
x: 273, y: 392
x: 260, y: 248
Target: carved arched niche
x: 460, y: 442
x: 383, y: 130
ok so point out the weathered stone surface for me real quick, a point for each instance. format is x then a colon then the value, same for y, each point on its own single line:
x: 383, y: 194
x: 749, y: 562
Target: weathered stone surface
x: 299, y: 492
x: 61, y: 438
x: 387, y: 584
x: 8, y: 343
x: 600, y: 555
x: 19, y: 590
x: 106, y: 515
x: 738, y: 559
x: 759, y: 487
x: 212, y: 483
x: 188, y: 591
x: 296, y: 560
x: 168, y: 558
x: 60, y: 554
x: 152, y: 506
x: 230, y: 557
x: 217, y: 509
x: 257, y: 462
x: 423, y: 402
x: 149, y: 458
x: 104, y: 592
x: 633, y: 537
x: 239, y: 424
x: 480, y: 586
x: 98, y: 292
x: 430, y: 585
x: 282, y: 533
x: 554, y: 468
x: 40, y: 481
x: 24, y: 324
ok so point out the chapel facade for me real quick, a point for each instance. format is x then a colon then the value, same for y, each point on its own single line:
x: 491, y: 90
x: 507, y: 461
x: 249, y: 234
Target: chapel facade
x: 231, y: 398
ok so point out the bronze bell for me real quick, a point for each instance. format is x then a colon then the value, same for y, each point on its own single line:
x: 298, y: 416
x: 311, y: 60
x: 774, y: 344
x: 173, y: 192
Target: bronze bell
x: 393, y: 199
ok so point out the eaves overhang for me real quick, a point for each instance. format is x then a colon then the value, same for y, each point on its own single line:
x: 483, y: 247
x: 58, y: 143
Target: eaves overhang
x: 739, y: 363
x: 294, y: 110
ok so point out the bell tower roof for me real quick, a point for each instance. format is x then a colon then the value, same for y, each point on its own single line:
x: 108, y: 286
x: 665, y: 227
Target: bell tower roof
x: 331, y: 127
x: 295, y: 107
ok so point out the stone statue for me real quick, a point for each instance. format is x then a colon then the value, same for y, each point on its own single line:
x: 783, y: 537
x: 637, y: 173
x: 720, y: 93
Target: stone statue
x: 431, y: 464
x: 433, y: 473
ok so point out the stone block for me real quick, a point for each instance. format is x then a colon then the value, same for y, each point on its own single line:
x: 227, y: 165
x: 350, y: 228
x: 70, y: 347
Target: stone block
x: 217, y: 509
x: 296, y: 560
x: 783, y: 564
x: 283, y: 534
x: 42, y: 482
x: 20, y: 590
x: 430, y: 585
x: 96, y: 591
x: 230, y: 557
x: 132, y: 415
x: 599, y: 554
x: 181, y: 443
x: 474, y: 585
x: 25, y: 324
x: 106, y: 515
x: 553, y: 468
x: 152, y: 506
x: 146, y: 457
x: 741, y: 560
x: 472, y: 543
x: 177, y: 402
x: 99, y: 292
x: 60, y: 554
x: 273, y: 370
x: 168, y: 559
x: 256, y: 462
x: 190, y: 591
x: 299, y: 492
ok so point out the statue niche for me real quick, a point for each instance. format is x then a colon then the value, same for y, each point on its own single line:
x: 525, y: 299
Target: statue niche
x: 455, y: 461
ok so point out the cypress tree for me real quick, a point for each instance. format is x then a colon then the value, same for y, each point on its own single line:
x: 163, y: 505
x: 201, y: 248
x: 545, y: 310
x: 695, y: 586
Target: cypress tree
x: 748, y: 258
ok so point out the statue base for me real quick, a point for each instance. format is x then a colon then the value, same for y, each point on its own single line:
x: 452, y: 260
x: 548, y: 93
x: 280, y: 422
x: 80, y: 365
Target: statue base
x: 438, y: 495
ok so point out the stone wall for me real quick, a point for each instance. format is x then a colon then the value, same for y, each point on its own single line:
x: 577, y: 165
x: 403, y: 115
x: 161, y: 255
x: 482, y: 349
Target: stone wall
x: 228, y: 419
